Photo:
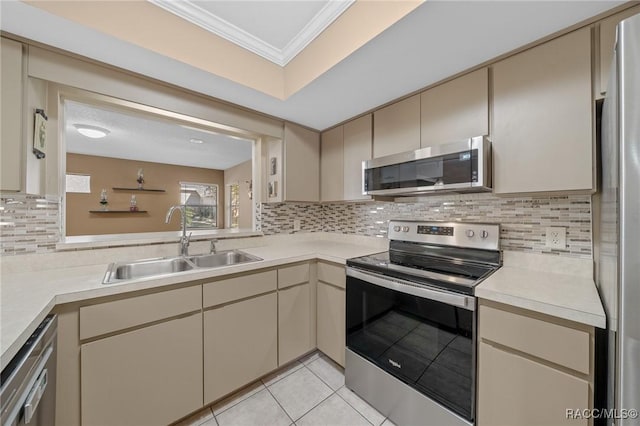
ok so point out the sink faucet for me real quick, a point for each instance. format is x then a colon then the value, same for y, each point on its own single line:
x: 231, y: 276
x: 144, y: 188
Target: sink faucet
x: 213, y: 246
x: 184, y: 240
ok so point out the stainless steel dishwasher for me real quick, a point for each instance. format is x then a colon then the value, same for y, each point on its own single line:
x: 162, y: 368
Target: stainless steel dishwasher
x: 28, y: 382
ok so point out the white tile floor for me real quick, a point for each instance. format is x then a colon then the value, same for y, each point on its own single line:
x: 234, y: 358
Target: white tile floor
x: 308, y: 392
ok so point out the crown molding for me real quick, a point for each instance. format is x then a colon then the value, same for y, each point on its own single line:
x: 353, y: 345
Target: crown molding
x: 193, y: 13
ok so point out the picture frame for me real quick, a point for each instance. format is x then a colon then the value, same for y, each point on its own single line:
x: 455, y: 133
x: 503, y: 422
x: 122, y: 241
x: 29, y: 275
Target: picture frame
x: 273, y: 166
x: 40, y: 134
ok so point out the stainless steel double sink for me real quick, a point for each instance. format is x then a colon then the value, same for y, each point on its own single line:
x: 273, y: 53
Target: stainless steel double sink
x: 123, y: 271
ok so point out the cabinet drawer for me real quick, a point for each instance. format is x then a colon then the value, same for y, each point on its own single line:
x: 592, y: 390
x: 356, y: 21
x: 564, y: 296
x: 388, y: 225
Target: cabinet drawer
x: 292, y: 275
x: 513, y: 390
x: 562, y: 345
x: 225, y: 291
x: 134, y: 311
x: 332, y: 274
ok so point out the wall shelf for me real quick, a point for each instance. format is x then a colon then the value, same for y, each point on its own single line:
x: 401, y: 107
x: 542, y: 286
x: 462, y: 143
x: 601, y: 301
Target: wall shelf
x: 138, y: 189
x: 117, y: 211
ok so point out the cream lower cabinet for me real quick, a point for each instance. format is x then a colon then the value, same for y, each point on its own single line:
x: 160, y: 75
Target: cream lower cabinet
x: 532, y: 368
x: 240, y: 332
x: 296, y: 312
x: 148, y: 376
x: 331, y: 311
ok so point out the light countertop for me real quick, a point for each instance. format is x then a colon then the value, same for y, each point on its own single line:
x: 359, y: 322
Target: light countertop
x: 561, y: 287
x: 27, y: 297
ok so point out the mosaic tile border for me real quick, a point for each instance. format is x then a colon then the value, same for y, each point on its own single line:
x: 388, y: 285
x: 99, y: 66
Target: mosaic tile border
x: 523, y: 220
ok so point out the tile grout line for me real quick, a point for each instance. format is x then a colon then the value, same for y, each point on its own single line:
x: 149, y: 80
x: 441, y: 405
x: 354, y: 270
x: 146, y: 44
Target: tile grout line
x: 355, y: 409
x: 280, y: 405
x: 321, y: 379
x: 242, y: 400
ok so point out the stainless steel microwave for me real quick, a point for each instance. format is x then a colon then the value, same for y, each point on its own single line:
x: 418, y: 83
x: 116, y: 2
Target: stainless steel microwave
x: 463, y: 166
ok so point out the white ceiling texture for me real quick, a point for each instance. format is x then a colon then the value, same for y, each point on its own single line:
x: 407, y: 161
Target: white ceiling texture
x: 141, y: 138
x: 438, y: 39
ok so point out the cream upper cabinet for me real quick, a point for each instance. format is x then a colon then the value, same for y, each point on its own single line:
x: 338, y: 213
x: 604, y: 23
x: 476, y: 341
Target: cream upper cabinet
x: 607, y: 40
x: 396, y: 128
x: 332, y: 165
x: 11, y: 93
x: 455, y: 110
x: 542, y: 118
x: 148, y: 376
x: 301, y: 164
x: 357, y: 148
x: 532, y: 367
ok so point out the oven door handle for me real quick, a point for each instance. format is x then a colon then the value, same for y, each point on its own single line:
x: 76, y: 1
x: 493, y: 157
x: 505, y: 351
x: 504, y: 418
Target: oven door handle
x: 459, y: 300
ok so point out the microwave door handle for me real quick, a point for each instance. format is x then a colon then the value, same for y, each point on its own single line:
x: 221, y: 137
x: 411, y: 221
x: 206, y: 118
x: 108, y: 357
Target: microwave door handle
x: 459, y: 300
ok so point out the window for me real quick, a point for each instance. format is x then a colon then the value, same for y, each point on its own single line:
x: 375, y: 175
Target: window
x: 234, y: 205
x: 201, y: 201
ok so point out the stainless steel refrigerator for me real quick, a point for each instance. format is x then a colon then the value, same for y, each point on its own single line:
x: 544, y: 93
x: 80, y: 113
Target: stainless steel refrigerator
x: 617, y: 222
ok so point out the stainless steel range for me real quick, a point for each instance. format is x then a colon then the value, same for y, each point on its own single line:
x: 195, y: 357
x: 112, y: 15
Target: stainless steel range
x: 411, y: 321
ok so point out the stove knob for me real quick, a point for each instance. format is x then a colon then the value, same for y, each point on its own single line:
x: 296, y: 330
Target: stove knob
x: 396, y: 228
x: 470, y: 233
x: 405, y: 229
x: 484, y: 234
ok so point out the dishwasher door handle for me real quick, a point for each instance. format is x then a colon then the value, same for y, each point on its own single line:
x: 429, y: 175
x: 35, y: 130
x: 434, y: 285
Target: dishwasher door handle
x: 33, y: 399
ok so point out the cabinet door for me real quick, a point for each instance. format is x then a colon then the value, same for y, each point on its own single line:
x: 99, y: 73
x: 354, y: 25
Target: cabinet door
x: 149, y: 376
x: 240, y: 344
x: 357, y: 148
x: 296, y: 322
x: 513, y: 390
x: 331, y: 165
x: 11, y: 115
x: 396, y: 128
x: 301, y: 164
x: 455, y: 110
x: 542, y: 134
x: 331, y: 321
x: 606, y: 45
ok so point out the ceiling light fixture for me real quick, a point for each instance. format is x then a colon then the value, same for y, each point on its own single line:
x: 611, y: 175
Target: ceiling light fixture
x: 194, y: 140
x: 93, y: 132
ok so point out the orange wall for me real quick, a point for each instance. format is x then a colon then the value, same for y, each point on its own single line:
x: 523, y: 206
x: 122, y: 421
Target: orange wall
x: 113, y: 172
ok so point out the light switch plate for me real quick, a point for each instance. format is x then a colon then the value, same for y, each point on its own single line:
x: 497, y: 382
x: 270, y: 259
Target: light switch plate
x: 556, y: 237
x: 297, y: 224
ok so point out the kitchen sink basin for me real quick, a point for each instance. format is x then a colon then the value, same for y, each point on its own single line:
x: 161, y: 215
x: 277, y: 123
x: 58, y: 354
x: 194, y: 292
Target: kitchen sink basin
x: 146, y: 268
x: 223, y: 258
x: 123, y: 271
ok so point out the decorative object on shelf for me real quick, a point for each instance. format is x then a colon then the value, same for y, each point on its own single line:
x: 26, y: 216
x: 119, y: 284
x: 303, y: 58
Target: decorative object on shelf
x: 39, y: 134
x: 274, y: 166
x: 140, y: 178
x: 103, y: 200
x: 133, y: 204
x: 250, y: 191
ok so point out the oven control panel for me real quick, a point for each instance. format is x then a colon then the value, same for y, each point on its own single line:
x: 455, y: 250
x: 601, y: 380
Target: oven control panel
x: 461, y: 234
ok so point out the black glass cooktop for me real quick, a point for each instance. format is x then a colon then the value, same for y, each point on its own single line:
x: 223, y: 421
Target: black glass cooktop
x: 445, y: 272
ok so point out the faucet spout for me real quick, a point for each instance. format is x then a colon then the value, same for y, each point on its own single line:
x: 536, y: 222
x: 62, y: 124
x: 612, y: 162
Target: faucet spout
x: 184, y: 240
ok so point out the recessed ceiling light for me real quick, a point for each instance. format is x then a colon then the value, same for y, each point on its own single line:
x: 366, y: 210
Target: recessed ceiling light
x: 93, y: 132
x: 194, y: 140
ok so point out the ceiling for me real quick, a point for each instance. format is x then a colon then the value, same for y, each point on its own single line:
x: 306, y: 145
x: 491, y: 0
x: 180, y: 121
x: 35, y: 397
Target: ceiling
x: 434, y: 41
x: 250, y: 24
x: 143, y: 138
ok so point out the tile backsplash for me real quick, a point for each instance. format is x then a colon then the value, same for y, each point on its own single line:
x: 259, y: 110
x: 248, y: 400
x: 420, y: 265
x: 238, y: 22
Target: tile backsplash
x: 28, y: 224
x: 523, y: 220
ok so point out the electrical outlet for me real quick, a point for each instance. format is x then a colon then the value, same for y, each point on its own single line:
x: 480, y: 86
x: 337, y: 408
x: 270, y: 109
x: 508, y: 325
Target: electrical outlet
x: 297, y: 224
x: 556, y: 237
